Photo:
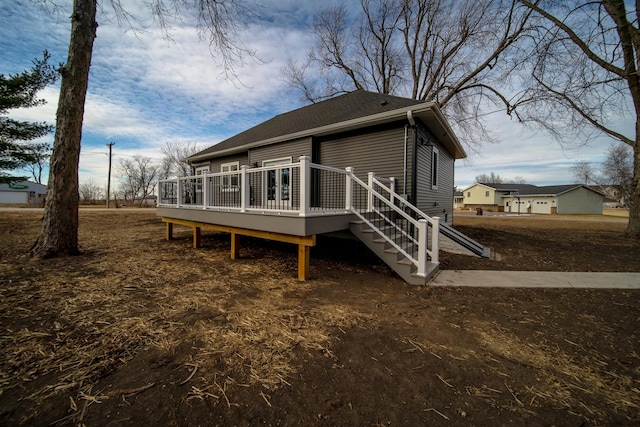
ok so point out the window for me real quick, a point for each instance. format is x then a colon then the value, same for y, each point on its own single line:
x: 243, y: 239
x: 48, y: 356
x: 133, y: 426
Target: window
x: 230, y: 182
x: 486, y: 193
x: 435, y: 160
x: 201, y: 170
x: 468, y: 193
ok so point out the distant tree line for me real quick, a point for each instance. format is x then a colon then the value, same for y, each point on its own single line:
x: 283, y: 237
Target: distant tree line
x: 615, y: 171
x: 494, y: 178
x: 138, y: 175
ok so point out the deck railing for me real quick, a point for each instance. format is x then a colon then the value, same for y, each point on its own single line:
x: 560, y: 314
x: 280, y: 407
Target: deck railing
x: 308, y: 189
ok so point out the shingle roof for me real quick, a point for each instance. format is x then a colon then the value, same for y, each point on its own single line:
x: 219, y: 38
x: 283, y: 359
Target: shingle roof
x: 555, y: 189
x: 350, y: 106
x: 534, y: 190
x: 510, y: 187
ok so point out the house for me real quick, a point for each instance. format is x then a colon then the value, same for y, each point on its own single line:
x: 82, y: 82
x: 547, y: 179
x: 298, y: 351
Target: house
x: 490, y: 196
x: 378, y: 165
x: 527, y: 198
x: 614, y: 195
x: 458, y: 199
x: 23, y: 192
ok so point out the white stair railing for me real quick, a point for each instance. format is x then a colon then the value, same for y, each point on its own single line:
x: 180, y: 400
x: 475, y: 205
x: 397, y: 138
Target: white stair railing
x: 405, y: 205
x: 401, y: 230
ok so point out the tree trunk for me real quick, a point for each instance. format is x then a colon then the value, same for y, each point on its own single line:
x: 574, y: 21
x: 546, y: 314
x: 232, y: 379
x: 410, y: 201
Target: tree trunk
x: 59, y: 233
x: 633, y: 229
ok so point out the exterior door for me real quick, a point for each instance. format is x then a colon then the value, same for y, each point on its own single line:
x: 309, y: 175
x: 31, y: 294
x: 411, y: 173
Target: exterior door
x: 278, y: 184
x: 200, y: 185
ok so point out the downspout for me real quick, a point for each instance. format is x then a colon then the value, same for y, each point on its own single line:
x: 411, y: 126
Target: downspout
x: 404, y: 170
x: 412, y: 123
x: 414, y: 159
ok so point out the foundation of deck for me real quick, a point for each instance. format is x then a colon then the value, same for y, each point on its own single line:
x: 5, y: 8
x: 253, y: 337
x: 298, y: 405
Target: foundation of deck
x: 304, y: 242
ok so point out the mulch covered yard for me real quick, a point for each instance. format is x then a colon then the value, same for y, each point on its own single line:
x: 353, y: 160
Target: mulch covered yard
x: 142, y: 331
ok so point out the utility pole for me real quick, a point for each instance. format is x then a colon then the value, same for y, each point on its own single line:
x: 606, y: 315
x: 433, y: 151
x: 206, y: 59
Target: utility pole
x: 111, y: 144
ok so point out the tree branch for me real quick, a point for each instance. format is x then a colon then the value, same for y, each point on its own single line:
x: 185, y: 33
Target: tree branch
x: 584, y: 114
x: 575, y: 39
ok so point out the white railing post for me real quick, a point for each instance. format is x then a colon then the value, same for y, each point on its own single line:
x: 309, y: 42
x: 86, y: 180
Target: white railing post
x: 422, y: 247
x: 305, y: 185
x: 245, y: 191
x: 392, y: 186
x: 371, y: 176
x: 435, y: 240
x: 178, y: 193
x: 205, y: 191
x: 348, y: 196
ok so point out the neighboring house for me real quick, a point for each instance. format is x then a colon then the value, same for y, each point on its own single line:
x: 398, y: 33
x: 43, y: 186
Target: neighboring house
x: 614, y: 195
x: 458, y: 200
x: 318, y: 168
x: 527, y: 198
x: 23, y: 192
x: 490, y: 196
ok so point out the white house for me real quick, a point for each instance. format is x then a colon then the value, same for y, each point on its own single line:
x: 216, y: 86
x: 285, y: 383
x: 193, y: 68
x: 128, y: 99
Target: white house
x: 527, y: 198
x: 23, y: 192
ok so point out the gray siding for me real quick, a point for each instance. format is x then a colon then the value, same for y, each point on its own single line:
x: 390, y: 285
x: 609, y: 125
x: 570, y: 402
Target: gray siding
x: 434, y: 202
x: 380, y: 152
x: 293, y: 149
x: 580, y: 201
x: 215, y: 164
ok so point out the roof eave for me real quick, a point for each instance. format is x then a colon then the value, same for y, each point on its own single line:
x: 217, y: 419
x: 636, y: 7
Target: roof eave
x: 422, y: 111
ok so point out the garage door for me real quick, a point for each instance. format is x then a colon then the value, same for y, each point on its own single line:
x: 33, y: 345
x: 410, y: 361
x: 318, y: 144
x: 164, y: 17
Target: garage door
x: 13, y: 197
x: 541, y: 207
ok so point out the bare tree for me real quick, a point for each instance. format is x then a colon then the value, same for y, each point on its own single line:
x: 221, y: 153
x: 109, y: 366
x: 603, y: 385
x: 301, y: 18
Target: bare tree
x: 138, y: 177
x: 617, y: 168
x: 90, y: 191
x: 458, y: 54
x: 40, y: 154
x: 583, y: 172
x: 492, y: 178
x: 173, y: 163
x: 217, y: 20
x: 585, y: 76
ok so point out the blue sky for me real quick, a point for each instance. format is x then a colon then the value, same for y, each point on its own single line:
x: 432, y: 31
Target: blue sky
x: 145, y: 90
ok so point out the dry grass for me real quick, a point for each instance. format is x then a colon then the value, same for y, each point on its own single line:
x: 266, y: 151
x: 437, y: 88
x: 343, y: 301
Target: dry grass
x: 572, y: 383
x: 88, y: 316
x: 67, y: 324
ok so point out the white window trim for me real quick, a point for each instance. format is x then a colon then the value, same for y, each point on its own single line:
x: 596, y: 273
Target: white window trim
x: 281, y: 159
x: 229, y: 179
x: 435, y: 163
x: 201, y: 170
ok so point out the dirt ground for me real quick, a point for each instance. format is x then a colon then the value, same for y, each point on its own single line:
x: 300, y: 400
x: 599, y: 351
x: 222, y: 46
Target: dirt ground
x: 143, y: 331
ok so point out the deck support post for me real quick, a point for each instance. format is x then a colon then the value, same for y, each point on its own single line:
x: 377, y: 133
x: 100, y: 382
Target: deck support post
x: 235, y: 245
x: 304, y: 257
x: 169, y: 231
x: 197, y: 237
x: 304, y: 242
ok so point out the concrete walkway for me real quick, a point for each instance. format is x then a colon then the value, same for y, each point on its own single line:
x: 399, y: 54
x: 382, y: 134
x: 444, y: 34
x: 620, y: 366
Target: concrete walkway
x: 536, y: 279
